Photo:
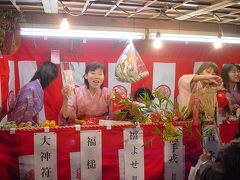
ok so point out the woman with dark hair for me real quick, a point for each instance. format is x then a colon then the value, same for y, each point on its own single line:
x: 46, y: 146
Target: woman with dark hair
x: 231, y: 81
x: 206, y: 74
x: 142, y: 95
x: 226, y: 166
x: 29, y: 101
x: 91, y: 102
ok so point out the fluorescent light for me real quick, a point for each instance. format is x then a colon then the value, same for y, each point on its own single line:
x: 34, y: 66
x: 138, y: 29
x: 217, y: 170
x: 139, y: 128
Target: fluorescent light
x: 81, y: 33
x: 196, y: 38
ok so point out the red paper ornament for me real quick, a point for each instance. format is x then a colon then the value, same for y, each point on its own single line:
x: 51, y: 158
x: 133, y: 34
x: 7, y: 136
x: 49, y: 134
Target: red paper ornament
x: 222, y: 100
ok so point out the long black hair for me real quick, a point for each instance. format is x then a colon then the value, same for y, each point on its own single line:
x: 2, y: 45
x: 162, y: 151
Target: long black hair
x: 225, y: 70
x: 92, y: 67
x: 46, y: 74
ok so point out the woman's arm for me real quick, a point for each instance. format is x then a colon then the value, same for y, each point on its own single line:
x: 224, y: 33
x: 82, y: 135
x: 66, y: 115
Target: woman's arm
x: 69, y: 107
x: 211, y: 78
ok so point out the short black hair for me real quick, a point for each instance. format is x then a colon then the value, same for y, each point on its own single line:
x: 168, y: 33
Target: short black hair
x: 46, y: 74
x: 92, y: 67
x: 141, y: 91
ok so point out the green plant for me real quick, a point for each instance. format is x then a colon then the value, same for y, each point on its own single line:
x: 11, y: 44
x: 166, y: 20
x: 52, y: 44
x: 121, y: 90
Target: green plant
x: 162, y: 111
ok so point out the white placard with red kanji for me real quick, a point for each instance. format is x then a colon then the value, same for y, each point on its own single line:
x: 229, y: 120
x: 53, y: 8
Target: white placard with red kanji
x: 174, y: 163
x: 45, y: 156
x: 134, y: 153
x: 91, y: 154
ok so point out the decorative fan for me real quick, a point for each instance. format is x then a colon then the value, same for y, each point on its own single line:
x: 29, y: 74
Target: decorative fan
x: 164, y: 90
x: 11, y: 100
x: 121, y: 89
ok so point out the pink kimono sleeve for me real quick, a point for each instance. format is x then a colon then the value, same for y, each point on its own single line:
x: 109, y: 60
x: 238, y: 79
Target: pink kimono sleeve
x: 109, y: 96
x: 72, y: 110
x: 185, y: 87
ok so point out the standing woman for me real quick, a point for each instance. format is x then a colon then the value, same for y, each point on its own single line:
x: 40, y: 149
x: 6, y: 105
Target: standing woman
x: 187, y: 84
x: 231, y: 81
x: 91, y: 101
x: 29, y: 101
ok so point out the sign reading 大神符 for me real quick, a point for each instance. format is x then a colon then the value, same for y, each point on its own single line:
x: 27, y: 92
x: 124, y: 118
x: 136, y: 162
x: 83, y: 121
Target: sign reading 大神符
x: 45, y: 156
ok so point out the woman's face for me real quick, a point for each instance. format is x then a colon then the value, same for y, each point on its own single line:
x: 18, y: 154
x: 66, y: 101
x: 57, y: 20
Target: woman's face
x: 234, y: 75
x: 208, y: 71
x: 95, y: 78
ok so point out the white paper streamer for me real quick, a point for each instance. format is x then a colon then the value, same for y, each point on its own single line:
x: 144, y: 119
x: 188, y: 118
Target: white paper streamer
x: 45, y: 156
x: 174, y: 159
x: 91, y: 154
x: 134, y: 154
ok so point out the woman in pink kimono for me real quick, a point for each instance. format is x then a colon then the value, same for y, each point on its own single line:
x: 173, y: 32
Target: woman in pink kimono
x: 206, y: 74
x: 91, y: 101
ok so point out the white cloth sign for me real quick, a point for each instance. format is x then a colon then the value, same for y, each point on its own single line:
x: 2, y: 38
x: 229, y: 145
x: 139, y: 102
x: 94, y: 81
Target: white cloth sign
x: 196, y: 66
x: 211, y: 143
x: 121, y: 164
x: 55, y: 56
x: 164, y: 74
x: 174, y: 159
x: 26, y: 167
x: 45, y: 156
x: 134, y: 154
x: 75, y: 158
x: 91, y: 154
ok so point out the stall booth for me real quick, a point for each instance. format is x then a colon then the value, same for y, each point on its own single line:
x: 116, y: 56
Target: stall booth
x: 120, y: 151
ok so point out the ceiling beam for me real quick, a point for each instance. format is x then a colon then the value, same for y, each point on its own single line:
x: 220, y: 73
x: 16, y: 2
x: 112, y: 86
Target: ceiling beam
x: 144, y: 7
x: 50, y: 6
x: 15, y: 4
x: 173, y: 7
x: 229, y: 20
x: 113, y: 7
x: 233, y: 12
x: 213, y: 7
x: 85, y: 6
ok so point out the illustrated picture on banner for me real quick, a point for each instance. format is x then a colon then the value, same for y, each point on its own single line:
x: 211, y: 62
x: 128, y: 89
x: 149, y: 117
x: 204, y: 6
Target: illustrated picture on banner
x: 120, y: 89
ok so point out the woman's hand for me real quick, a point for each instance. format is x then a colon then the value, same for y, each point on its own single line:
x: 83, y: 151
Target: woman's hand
x: 66, y: 91
x: 205, y: 156
x: 234, y: 107
x: 214, y: 79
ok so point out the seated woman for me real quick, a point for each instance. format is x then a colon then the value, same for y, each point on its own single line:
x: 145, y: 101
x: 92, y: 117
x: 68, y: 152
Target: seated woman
x: 231, y: 81
x: 141, y: 99
x: 91, y: 102
x: 29, y: 101
x: 206, y: 74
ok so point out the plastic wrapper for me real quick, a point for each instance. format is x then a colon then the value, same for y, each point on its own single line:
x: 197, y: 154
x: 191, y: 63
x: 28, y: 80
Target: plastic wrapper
x: 130, y: 67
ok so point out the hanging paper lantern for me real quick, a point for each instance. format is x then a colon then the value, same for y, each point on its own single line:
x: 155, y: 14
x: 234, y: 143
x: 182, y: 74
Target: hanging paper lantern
x: 222, y: 100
